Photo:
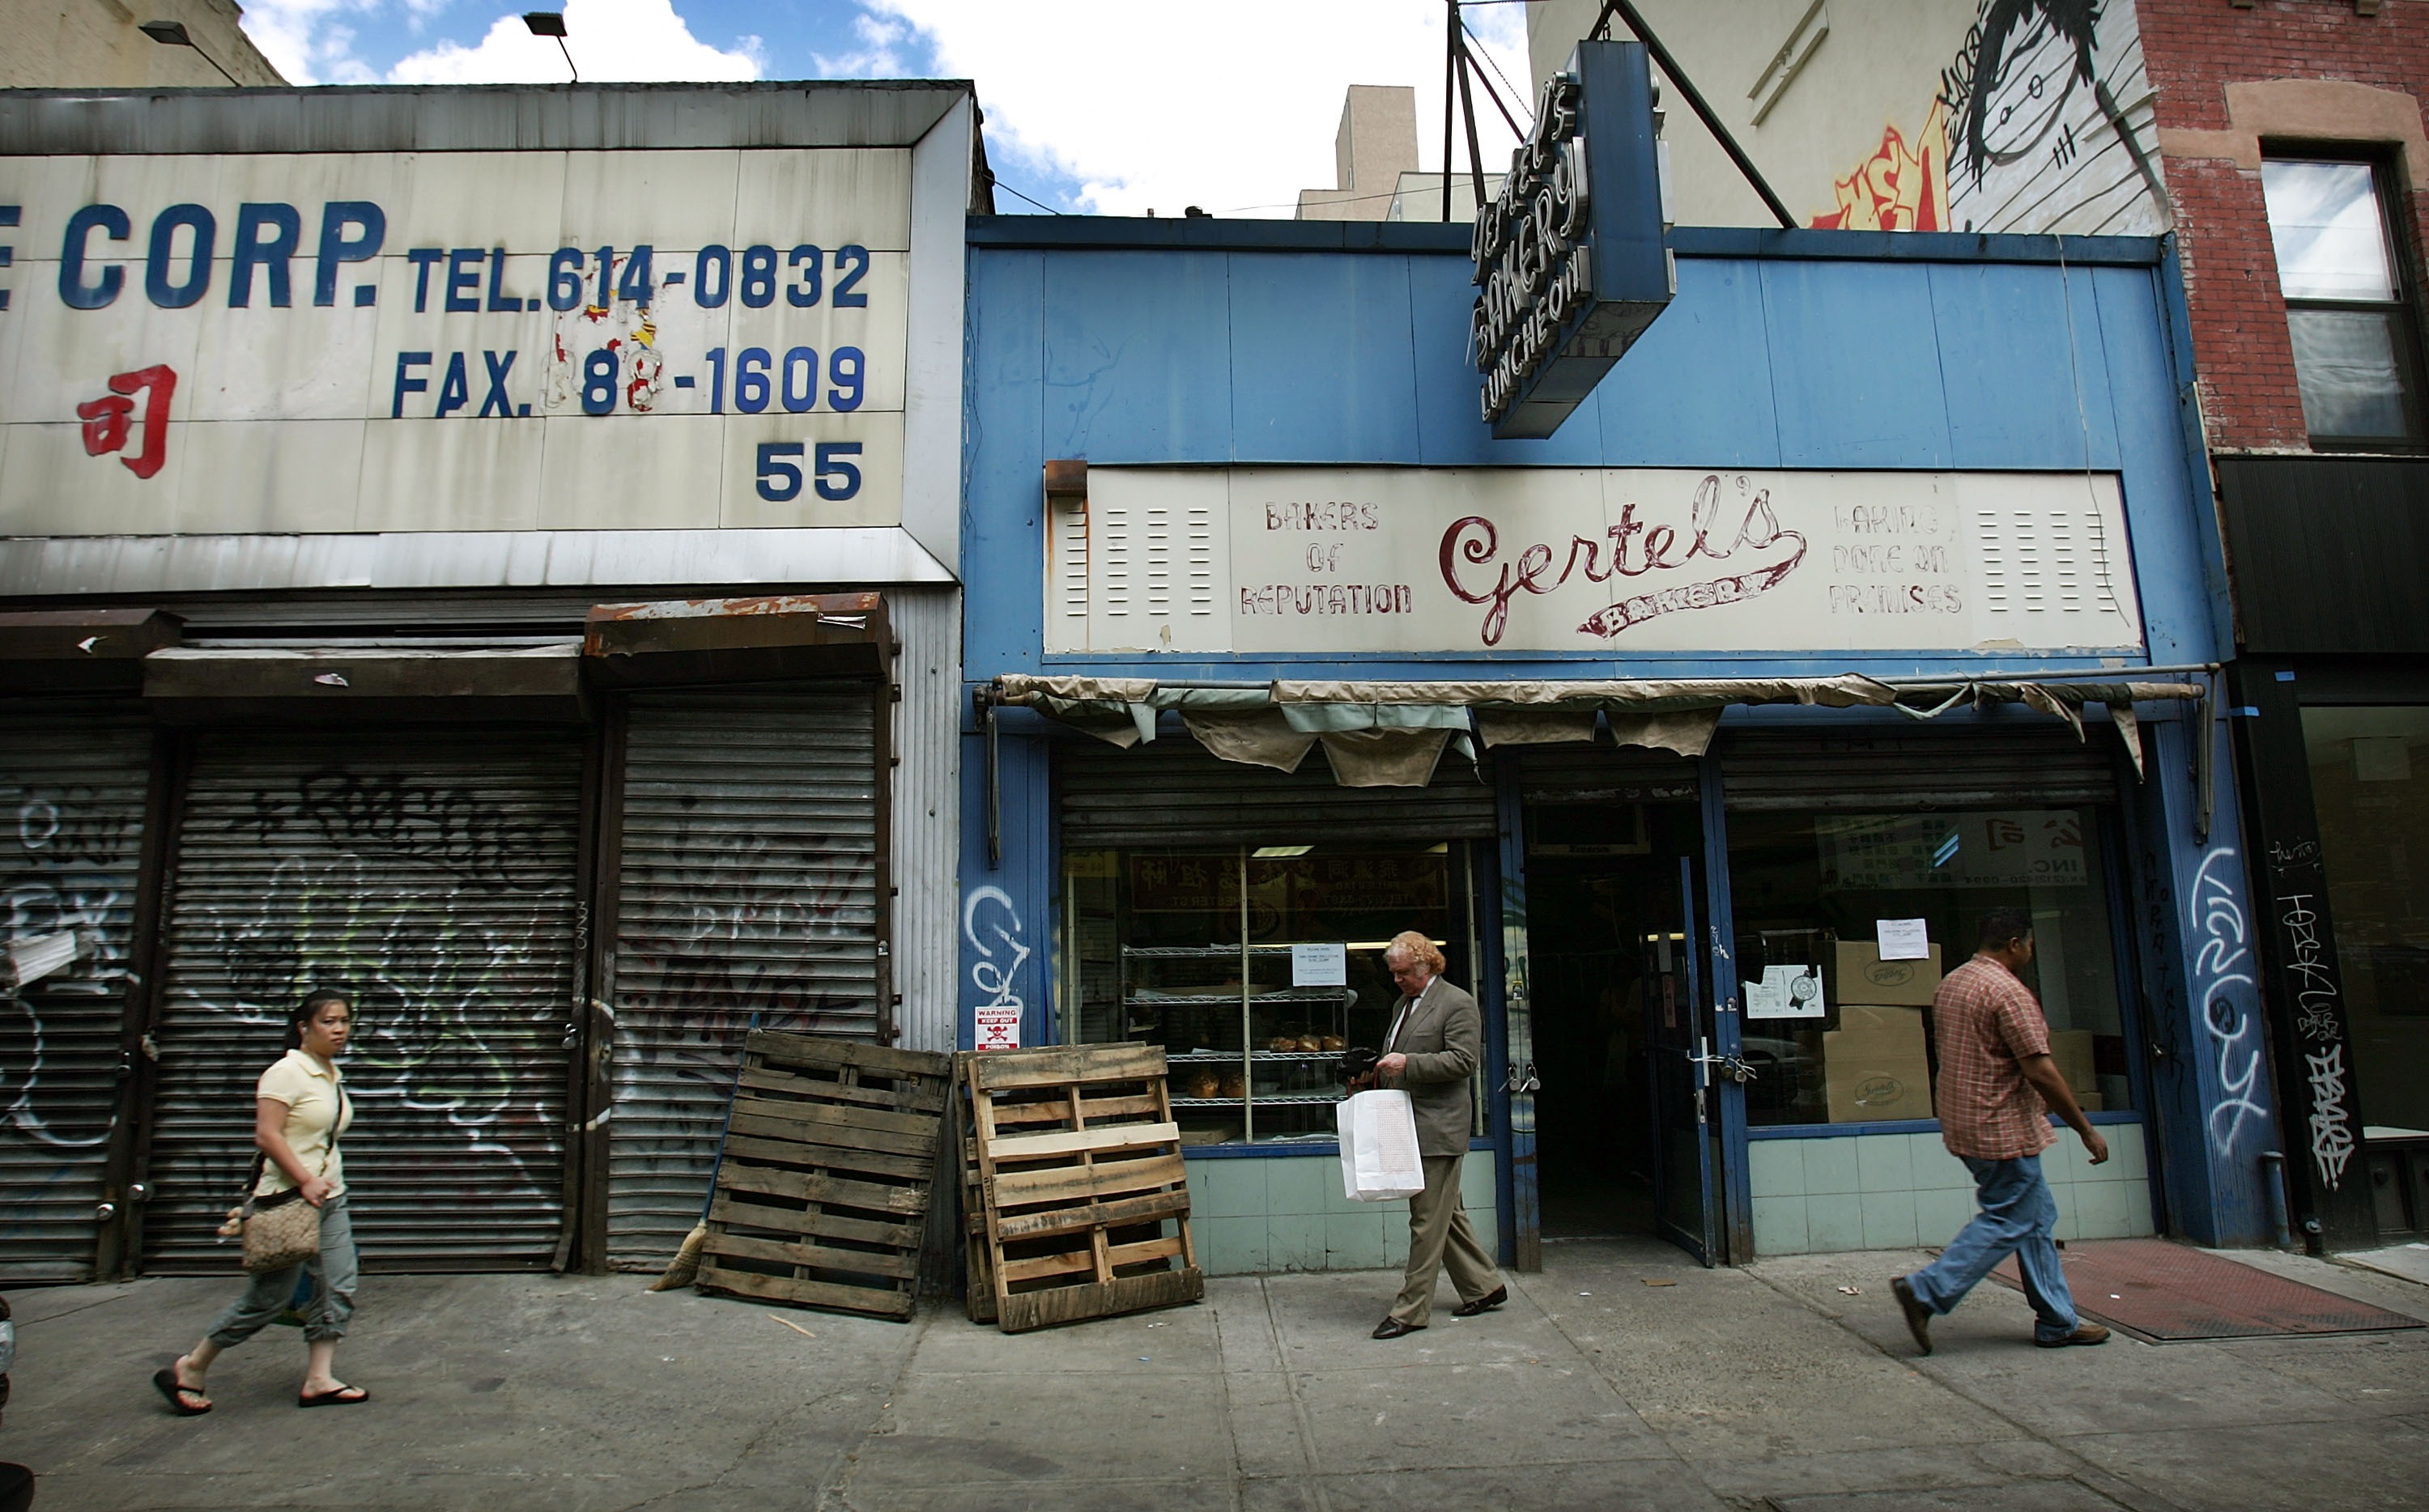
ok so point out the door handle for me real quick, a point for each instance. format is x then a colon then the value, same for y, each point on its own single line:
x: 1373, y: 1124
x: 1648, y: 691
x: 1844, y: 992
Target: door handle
x: 1521, y: 1078
x: 1732, y: 1066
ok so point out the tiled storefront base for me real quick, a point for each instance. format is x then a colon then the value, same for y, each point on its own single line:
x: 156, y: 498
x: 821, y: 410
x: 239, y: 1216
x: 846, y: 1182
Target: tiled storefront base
x: 1287, y: 1213
x: 1872, y: 1192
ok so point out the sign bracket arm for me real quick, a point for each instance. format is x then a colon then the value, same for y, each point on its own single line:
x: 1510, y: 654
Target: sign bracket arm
x: 1695, y: 102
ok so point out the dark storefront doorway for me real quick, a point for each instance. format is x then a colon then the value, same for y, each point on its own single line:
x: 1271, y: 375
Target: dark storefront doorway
x: 1621, y: 1008
x: 1614, y: 983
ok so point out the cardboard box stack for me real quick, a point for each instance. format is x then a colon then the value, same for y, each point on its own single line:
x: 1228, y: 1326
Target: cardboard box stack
x: 2072, y: 1050
x: 1874, y: 1064
x: 1863, y: 976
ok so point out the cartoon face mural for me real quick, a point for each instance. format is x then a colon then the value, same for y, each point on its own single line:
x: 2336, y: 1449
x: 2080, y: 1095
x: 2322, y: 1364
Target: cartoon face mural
x: 2051, y: 115
x: 2031, y: 58
x: 2041, y: 121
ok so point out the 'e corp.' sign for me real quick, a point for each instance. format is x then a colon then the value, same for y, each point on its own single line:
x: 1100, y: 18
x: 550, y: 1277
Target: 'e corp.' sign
x: 453, y: 340
x: 1569, y: 259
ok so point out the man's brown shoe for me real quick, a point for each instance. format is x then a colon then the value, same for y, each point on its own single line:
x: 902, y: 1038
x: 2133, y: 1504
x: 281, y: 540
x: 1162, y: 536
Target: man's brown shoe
x: 1483, y: 1304
x: 2090, y: 1333
x: 1918, y: 1317
x: 1392, y: 1327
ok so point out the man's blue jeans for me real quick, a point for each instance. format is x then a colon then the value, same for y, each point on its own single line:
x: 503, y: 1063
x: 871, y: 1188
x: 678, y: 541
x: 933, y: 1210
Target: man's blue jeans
x: 2018, y: 1214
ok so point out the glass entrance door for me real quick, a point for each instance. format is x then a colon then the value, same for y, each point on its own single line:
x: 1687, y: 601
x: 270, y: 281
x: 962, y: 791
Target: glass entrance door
x: 1681, y: 1100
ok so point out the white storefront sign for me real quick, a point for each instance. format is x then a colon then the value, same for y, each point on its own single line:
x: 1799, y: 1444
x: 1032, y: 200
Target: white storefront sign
x: 454, y: 340
x: 1610, y: 560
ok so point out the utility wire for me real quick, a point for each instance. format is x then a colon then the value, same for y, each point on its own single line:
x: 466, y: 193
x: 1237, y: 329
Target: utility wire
x: 1478, y: 51
x: 1486, y: 84
x: 994, y: 181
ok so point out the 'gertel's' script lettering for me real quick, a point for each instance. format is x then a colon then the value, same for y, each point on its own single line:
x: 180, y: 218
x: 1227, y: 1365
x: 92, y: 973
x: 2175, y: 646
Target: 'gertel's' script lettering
x: 1632, y: 549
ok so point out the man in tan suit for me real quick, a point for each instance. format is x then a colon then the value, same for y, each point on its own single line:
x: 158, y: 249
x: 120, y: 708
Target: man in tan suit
x: 1437, y: 1036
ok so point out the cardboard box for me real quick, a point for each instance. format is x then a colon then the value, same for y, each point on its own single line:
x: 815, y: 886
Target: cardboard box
x: 1873, y: 1067
x: 1863, y: 976
x: 2072, y: 1050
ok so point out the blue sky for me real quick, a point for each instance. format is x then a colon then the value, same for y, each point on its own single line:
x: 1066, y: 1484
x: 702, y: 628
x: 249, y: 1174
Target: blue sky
x: 1091, y: 106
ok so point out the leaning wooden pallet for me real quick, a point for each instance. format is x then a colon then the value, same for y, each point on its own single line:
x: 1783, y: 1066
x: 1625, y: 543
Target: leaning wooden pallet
x: 978, y: 1289
x: 1085, y: 1197
x: 823, y: 1190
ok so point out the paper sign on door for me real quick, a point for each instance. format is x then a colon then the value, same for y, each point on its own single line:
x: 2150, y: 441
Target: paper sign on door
x: 1903, y: 939
x: 1785, y: 992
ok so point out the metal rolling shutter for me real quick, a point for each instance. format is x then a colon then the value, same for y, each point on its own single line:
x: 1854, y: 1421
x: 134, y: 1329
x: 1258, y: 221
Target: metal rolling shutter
x: 1897, y: 770
x: 1582, y: 773
x: 1172, y: 793
x: 748, y: 883
x: 73, y: 785
x: 431, y: 873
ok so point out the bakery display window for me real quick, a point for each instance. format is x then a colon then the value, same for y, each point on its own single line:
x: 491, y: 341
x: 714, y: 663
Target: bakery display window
x: 1838, y: 1034
x: 1256, y: 967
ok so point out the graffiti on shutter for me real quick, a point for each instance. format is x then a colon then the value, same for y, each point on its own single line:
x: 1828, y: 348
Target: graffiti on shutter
x: 747, y: 886
x: 430, y: 875
x: 72, y: 793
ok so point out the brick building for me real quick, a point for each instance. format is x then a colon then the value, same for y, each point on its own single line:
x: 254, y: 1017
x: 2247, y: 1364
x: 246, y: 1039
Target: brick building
x: 2290, y: 134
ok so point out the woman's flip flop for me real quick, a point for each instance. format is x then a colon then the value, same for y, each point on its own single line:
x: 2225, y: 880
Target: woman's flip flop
x: 344, y: 1396
x: 165, y: 1382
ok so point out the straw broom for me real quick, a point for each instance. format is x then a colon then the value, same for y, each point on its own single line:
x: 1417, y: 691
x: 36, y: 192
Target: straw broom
x: 684, y: 1269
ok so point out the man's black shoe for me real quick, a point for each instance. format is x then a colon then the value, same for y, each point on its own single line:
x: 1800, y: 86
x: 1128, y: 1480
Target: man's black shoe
x: 1392, y: 1328
x: 1483, y: 1304
x: 1918, y: 1317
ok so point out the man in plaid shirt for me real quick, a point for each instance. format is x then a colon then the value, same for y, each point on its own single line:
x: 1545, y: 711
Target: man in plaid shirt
x: 1996, y: 1088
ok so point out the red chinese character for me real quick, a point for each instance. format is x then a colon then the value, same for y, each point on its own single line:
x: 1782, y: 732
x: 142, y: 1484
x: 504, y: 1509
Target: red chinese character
x: 106, y: 420
x: 2003, y: 833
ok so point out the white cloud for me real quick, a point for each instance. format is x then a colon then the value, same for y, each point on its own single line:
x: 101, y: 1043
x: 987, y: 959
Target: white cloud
x: 300, y: 41
x: 1165, y: 105
x: 610, y: 41
x: 878, y: 56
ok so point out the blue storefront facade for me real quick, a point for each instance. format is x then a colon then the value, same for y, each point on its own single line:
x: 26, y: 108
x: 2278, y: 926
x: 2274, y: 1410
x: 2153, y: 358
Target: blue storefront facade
x: 1876, y: 586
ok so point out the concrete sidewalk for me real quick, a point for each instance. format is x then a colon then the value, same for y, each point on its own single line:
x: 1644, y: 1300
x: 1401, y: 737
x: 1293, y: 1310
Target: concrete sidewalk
x: 1766, y: 1386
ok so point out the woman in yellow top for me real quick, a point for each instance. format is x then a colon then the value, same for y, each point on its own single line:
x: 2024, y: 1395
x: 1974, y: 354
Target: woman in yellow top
x: 300, y: 1112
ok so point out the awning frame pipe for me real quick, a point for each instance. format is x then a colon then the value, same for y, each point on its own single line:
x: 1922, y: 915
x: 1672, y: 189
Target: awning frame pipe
x: 2095, y: 674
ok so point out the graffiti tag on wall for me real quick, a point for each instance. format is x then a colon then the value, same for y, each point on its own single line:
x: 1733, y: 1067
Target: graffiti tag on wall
x: 2228, y: 992
x: 2317, y: 1004
x: 996, y: 972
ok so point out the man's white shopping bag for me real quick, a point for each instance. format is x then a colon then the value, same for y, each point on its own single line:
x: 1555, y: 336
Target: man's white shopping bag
x: 1379, y: 1147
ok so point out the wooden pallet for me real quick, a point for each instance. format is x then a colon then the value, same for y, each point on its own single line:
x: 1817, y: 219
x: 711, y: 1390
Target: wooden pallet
x: 978, y: 1289
x: 1082, y: 1186
x: 822, y: 1192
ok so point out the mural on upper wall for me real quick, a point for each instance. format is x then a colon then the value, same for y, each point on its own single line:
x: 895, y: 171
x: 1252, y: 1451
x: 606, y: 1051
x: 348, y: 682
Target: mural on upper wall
x: 1898, y: 187
x: 2042, y: 121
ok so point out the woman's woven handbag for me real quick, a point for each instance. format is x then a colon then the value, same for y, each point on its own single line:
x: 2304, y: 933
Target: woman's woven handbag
x: 280, y: 1230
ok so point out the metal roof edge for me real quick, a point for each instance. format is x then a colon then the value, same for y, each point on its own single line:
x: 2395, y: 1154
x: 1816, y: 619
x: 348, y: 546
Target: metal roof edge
x: 476, y: 117
x: 1103, y: 233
